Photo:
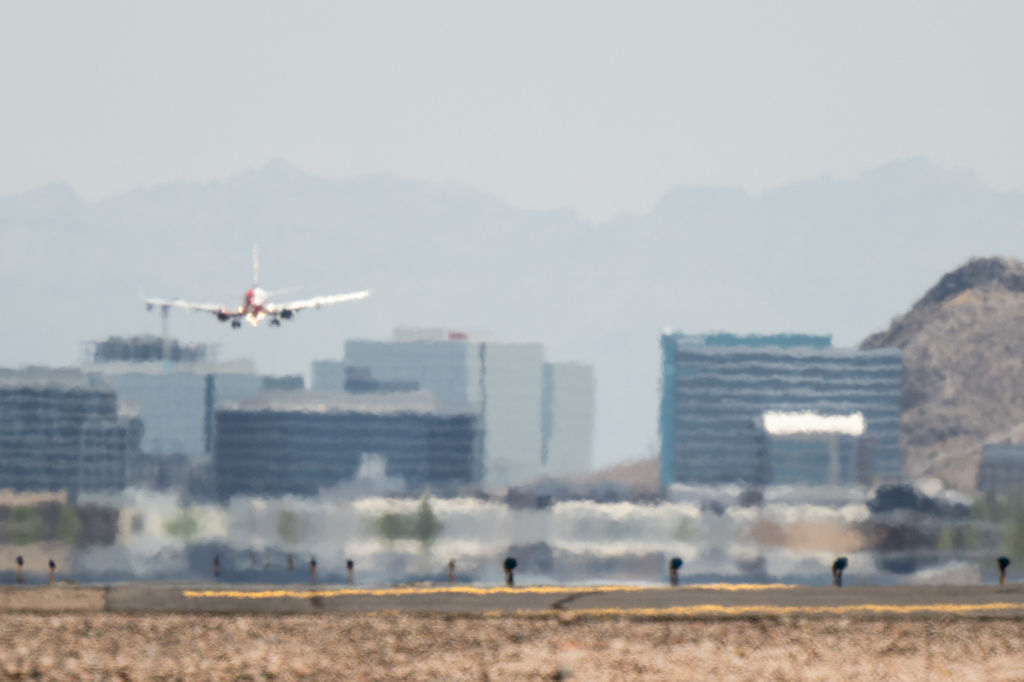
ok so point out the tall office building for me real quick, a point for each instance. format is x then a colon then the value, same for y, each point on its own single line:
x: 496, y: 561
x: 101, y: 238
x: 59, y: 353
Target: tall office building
x: 536, y: 417
x: 717, y: 387
x: 58, y: 433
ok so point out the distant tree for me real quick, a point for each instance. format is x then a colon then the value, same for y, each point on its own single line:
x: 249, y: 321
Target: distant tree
x: 945, y: 540
x: 422, y: 525
x: 182, y: 525
x: 68, y: 525
x: 27, y: 525
x: 427, y: 527
x: 290, y: 527
x: 390, y: 526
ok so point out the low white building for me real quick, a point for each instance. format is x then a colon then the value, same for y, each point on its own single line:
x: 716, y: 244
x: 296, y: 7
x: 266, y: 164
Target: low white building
x: 808, y: 448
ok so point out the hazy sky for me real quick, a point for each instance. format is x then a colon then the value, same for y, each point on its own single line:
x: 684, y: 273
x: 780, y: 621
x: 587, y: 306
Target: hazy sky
x: 596, y: 106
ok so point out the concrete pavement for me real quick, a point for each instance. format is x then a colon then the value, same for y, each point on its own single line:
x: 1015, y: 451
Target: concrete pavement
x: 681, y: 602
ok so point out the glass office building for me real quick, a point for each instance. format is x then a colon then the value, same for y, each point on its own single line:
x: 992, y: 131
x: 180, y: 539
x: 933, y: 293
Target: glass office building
x: 58, y: 433
x: 301, y: 447
x: 716, y: 387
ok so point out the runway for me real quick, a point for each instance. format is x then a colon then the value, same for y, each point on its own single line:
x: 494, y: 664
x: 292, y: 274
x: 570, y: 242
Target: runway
x: 703, y: 601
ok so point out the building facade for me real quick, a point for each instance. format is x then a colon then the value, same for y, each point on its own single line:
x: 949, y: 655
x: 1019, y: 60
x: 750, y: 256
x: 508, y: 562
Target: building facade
x: 536, y: 417
x: 58, y: 433
x: 716, y: 387
x: 301, y: 448
x: 568, y: 418
x: 807, y: 448
x: 175, y: 389
x: 1002, y: 469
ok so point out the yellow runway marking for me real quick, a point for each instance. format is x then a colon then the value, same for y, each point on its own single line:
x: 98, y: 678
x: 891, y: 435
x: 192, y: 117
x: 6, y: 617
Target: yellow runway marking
x: 738, y: 587
x: 719, y: 610
x: 479, y: 591
x: 712, y: 610
x: 696, y: 610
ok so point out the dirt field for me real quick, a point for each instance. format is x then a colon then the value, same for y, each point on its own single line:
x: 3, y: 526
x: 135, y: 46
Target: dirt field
x: 104, y: 646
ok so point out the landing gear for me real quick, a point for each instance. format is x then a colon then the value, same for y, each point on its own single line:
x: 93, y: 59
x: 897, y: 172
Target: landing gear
x: 235, y: 324
x: 275, y: 322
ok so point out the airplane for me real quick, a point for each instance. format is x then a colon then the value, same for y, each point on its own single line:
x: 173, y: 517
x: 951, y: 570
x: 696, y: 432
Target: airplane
x: 256, y: 304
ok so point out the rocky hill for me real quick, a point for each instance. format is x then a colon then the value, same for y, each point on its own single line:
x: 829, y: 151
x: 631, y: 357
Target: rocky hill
x: 963, y: 350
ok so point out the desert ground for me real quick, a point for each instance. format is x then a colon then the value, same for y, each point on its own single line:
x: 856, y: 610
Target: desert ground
x: 149, y: 631
x: 104, y: 646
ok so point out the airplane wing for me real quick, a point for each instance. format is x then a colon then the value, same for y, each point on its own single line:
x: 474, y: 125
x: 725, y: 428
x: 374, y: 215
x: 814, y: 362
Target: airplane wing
x: 218, y: 310
x: 316, y: 302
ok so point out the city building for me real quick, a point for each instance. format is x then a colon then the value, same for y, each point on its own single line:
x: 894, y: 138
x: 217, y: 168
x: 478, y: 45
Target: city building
x: 716, y: 389
x: 568, y: 418
x: 57, y: 433
x: 1002, y: 469
x: 303, y: 443
x: 174, y: 388
x: 807, y: 448
x: 536, y: 417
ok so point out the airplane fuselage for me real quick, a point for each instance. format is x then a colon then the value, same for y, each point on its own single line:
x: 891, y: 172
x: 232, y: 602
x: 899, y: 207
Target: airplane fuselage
x: 254, y: 305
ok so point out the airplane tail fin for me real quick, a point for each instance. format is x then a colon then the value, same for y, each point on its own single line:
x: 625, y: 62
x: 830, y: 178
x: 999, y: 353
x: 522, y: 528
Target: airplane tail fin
x: 255, y: 264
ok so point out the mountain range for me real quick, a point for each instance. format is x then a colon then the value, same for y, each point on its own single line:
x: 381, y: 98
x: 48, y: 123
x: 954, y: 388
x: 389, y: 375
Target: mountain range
x: 839, y: 256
